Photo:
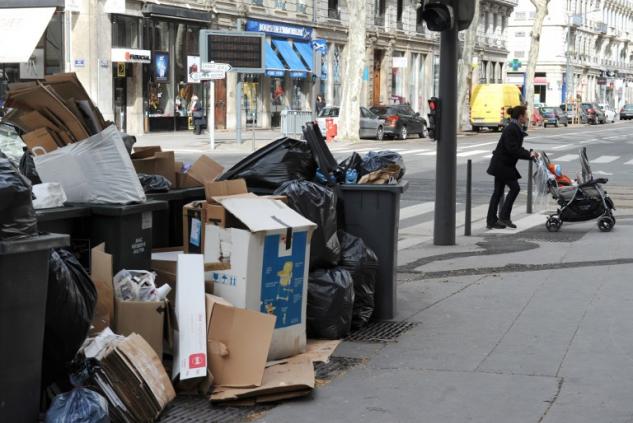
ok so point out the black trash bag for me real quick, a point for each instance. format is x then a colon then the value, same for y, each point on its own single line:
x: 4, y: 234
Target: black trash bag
x: 154, y: 183
x: 17, y: 216
x: 283, y: 160
x: 377, y: 160
x: 70, y: 307
x: 353, y: 162
x: 27, y: 168
x: 128, y: 141
x: 362, y: 263
x: 330, y: 303
x: 317, y: 204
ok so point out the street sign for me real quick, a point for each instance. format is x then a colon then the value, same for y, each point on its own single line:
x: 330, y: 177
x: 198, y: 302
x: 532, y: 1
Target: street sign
x: 243, y: 51
x: 216, y: 67
x: 206, y: 75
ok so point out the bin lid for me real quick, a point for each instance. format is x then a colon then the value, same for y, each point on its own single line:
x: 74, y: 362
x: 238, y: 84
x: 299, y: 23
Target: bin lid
x: 400, y: 187
x: 35, y: 243
x: 60, y: 213
x: 264, y: 214
x: 127, y: 209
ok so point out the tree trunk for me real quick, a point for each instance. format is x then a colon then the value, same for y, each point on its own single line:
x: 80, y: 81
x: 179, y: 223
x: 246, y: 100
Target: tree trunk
x: 535, y: 35
x: 466, y: 72
x: 352, y: 75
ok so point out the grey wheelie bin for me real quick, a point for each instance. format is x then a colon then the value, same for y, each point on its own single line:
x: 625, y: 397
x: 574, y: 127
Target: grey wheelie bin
x: 171, y: 217
x: 23, y: 290
x: 372, y: 212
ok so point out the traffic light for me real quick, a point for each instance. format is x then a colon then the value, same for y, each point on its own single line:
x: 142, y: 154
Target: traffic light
x: 434, y: 118
x: 442, y: 15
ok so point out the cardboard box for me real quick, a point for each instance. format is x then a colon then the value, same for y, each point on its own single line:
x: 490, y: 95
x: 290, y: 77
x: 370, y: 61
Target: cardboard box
x: 238, y: 341
x: 224, y: 189
x: 183, y: 180
x: 190, y: 358
x: 205, y: 170
x: 280, y: 381
x: 101, y: 275
x: 196, y: 216
x: 160, y: 163
x: 269, y: 271
x: 146, y: 318
x: 164, y: 264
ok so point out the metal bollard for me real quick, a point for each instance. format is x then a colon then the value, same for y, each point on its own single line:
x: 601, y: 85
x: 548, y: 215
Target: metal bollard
x: 530, y: 187
x: 469, y: 194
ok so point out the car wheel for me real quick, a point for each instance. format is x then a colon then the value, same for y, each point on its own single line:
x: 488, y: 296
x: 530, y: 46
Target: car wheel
x: 556, y: 124
x: 424, y: 133
x: 403, y: 133
x: 566, y: 123
x: 476, y: 128
x: 380, y: 133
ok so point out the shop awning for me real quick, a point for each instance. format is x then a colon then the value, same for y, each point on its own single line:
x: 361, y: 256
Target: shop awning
x: 305, y: 50
x: 296, y: 68
x: 24, y: 27
x: 274, y: 67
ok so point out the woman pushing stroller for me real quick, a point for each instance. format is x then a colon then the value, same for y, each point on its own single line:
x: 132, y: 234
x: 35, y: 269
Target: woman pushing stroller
x: 503, y: 167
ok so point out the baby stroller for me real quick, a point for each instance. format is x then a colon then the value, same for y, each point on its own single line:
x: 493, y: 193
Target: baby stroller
x: 582, y: 201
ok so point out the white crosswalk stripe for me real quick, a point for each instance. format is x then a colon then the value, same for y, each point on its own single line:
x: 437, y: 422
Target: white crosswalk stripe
x: 430, y: 153
x: 471, y: 153
x: 477, y: 145
x: 404, y: 153
x: 630, y: 162
x: 561, y: 147
x: 605, y: 159
x: 416, y: 210
x: 567, y: 158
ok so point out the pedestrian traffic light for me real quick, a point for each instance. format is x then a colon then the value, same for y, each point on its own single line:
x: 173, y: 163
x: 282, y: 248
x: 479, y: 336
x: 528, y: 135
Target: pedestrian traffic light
x: 434, y: 118
x: 442, y: 15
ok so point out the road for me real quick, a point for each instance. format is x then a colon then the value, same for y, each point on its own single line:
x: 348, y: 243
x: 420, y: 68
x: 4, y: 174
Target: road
x: 609, y: 147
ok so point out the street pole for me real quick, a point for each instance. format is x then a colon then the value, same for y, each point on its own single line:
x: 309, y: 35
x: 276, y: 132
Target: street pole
x: 446, y: 163
x: 211, y: 114
x: 238, y: 110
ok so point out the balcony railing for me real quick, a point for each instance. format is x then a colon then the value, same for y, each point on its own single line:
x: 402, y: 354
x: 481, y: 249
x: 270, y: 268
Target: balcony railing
x: 400, y: 25
x: 334, y: 14
x: 280, y: 4
x: 420, y: 28
x: 257, y: 2
x: 576, y: 20
x: 379, y: 20
x: 601, y: 27
x: 302, y: 8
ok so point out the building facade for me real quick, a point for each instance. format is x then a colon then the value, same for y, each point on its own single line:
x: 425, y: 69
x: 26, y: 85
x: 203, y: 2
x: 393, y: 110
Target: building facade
x: 136, y: 57
x: 591, y: 59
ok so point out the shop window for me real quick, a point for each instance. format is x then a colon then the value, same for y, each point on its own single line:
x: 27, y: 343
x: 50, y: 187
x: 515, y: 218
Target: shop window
x: 53, y: 45
x: 333, y: 10
x: 399, y: 10
x: 436, y: 75
x: 250, y: 100
x: 277, y: 101
x: 336, y: 77
x: 397, y: 83
x: 298, y: 95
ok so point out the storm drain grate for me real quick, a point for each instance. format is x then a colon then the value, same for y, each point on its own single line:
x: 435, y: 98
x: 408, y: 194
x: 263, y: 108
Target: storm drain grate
x: 195, y: 409
x: 382, y: 331
x: 336, y: 366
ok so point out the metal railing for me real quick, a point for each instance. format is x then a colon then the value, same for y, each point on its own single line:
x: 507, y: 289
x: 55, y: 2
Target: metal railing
x: 292, y: 121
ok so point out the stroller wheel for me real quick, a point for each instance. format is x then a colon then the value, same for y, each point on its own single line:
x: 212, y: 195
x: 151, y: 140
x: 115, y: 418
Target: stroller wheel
x: 553, y: 224
x: 605, y: 224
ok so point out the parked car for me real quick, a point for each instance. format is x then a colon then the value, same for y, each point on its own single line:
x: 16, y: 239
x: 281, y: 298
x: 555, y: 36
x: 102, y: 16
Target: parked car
x: 571, y: 110
x: 553, y: 116
x: 371, y: 126
x: 594, y: 114
x: 401, y: 120
x: 608, y: 111
x: 626, y: 112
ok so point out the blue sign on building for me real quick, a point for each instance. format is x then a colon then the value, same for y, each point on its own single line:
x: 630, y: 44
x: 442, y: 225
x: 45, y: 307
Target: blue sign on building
x: 279, y: 29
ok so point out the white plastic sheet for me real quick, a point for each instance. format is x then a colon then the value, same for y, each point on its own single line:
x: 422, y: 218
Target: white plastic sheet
x: 48, y: 195
x: 95, y: 170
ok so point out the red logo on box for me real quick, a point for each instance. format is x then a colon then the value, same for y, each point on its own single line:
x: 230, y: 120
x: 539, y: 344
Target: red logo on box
x: 197, y: 360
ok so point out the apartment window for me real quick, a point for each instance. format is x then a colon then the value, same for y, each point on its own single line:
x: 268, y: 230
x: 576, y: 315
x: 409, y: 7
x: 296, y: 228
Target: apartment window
x: 419, y: 22
x: 379, y: 16
x: 519, y: 34
x: 399, y: 9
x: 332, y: 9
x: 520, y: 16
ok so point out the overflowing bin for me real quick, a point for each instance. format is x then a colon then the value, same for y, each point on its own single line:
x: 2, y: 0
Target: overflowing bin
x: 372, y: 212
x: 23, y: 289
x: 167, y: 222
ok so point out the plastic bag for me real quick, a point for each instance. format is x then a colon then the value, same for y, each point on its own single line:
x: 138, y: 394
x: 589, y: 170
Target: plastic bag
x: 70, y: 307
x: 154, y: 183
x: 138, y: 285
x: 27, y: 168
x: 378, y: 160
x: 283, y: 160
x: 317, y: 204
x: 128, y: 141
x: 95, y: 170
x: 362, y: 264
x: 330, y: 303
x: 48, y: 195
x: 17, y: 216
x: 80, y: 405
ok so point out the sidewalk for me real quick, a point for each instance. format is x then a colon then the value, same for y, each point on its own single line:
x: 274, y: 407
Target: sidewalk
x: 526, y: 326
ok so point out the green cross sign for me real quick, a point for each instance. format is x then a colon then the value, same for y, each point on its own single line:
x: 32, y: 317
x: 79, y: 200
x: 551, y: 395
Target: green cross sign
x: 515, y: 64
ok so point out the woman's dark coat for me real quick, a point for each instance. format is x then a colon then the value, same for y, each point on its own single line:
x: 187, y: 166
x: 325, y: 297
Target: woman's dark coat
x: 508, y: 152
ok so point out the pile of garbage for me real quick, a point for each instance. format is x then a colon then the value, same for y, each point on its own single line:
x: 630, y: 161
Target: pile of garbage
x: 266, y: 283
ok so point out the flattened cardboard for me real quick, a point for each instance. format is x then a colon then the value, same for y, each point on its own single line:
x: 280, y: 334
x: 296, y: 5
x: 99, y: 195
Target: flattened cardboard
x: 40, y: 141
x: 285, y: 380
x: 262, y: 214
x: 224, y: 189
x: 144, y: 152
x: 147, y: 318
x: 238, y: 341
x: 190, y: 358
x: 101, y: 275
x: 205, y: 170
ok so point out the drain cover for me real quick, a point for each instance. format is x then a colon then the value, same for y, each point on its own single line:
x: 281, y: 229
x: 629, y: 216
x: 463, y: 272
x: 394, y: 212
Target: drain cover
x: 195, y: 409
x: 336, y: 366
x: 382, y: 331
